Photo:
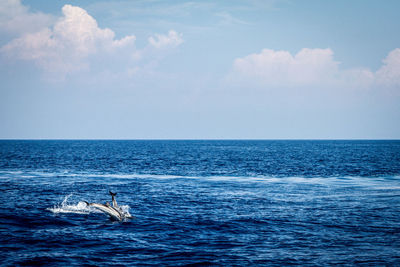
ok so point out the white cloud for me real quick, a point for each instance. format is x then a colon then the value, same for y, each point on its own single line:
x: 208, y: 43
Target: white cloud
x: 173, y: 39
x: 310, y: 67
x: 80, y: 31
x: 75, y: 40
x: 65, y: 47
x: 16, y: 18
x: 389, y: 73
x: 356, y: 78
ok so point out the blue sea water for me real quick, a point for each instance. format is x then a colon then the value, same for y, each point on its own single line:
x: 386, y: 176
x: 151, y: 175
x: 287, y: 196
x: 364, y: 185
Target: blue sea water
x: 234, y: 203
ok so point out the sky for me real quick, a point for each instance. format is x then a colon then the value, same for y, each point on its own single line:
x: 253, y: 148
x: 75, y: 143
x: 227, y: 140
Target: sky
x: 152, y: 69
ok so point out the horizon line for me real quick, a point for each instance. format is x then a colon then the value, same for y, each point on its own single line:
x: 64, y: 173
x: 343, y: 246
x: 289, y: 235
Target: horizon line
x: 199, y: 139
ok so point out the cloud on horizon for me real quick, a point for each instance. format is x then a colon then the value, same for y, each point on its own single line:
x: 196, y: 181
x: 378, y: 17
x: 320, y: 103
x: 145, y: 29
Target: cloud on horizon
x: 310, y: 67
x: 70, y: 42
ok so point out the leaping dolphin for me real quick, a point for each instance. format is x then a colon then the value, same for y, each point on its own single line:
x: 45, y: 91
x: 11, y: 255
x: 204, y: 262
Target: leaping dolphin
x: 114, y: 211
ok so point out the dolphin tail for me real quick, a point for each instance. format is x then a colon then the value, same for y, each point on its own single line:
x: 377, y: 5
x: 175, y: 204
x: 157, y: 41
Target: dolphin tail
x: 112, y: 194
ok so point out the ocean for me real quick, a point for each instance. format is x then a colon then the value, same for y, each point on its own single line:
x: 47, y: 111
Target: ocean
x: 204, y: 203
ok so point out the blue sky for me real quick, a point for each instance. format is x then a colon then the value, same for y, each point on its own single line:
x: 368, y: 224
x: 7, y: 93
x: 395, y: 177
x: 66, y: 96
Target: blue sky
x: 200, y: 69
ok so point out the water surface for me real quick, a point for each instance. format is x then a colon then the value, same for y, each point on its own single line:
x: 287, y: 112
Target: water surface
x: 201, y: 202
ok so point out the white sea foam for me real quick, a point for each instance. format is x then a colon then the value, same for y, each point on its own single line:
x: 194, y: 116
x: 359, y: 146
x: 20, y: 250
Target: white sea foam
x: 118, y: 178
x: 137, y: 176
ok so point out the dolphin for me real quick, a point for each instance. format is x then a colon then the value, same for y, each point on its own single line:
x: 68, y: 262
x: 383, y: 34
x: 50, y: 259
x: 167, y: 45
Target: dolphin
x: 114, y: 202
x: 114, y: 211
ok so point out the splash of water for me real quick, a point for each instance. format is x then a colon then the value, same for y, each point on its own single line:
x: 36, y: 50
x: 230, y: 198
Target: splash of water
x: 66, y: 207
x: 125, y: 210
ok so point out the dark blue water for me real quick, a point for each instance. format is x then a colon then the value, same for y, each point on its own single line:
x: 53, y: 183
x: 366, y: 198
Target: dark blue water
x: 218, y: 203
